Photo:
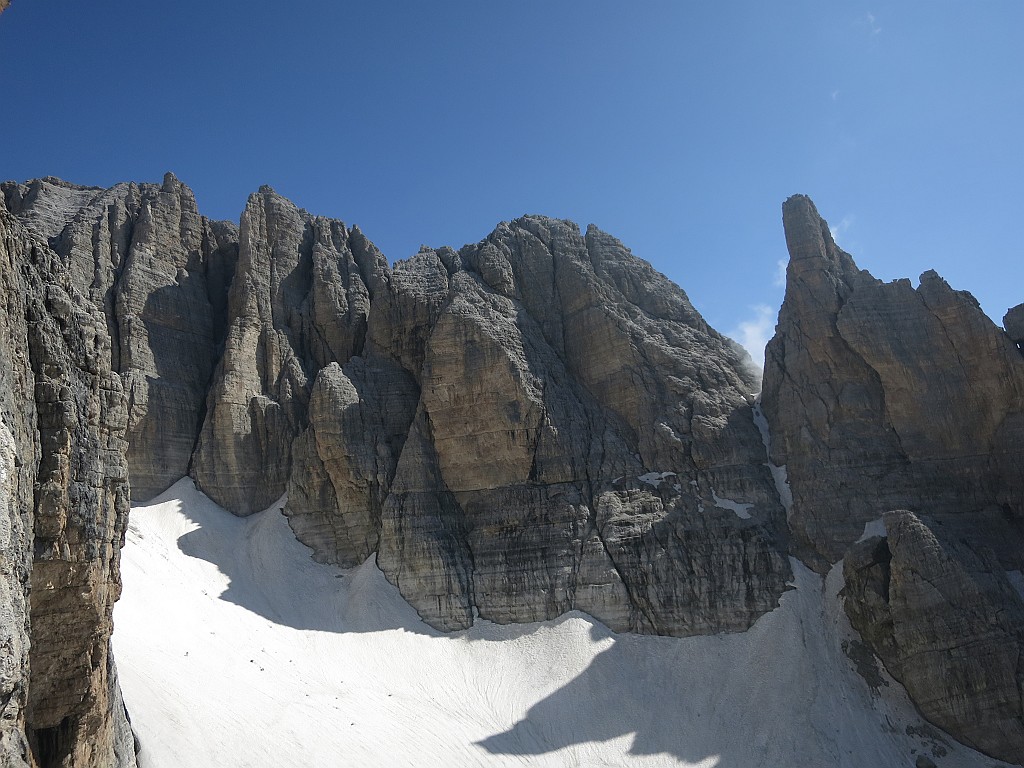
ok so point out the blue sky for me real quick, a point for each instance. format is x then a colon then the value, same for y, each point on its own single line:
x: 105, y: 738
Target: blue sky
x: 679, y: 127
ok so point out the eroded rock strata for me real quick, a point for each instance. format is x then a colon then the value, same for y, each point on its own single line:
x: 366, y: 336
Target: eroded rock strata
x: 64, y: 479
x: 886, y: 397
x: 531, y: 424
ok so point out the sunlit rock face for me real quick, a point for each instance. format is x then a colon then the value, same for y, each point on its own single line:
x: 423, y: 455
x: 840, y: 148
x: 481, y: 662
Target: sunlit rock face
x: 532, y: 424
x: 884, y: 397
x: 63, y: 510
x: 538, y: 423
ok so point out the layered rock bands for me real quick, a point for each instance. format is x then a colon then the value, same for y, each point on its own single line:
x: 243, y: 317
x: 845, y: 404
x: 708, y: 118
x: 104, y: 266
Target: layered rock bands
x: 63, y: 510
x: 536, y: 423
x: 906, y: 405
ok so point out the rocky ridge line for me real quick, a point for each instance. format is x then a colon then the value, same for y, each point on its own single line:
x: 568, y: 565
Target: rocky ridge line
x: 540, y: 422
x: 64, y: 480
x: 907, y: 406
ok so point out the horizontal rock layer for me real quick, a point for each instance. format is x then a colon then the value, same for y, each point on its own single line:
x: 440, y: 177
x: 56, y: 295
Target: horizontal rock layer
x: 531, y: 424
x: 63, y: 509
x: 884, y: 397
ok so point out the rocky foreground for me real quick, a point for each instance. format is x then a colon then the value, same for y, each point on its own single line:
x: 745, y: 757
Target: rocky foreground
x: 533, y: 424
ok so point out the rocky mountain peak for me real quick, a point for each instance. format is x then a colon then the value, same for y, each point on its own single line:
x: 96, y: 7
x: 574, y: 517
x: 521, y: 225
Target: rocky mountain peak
x: 531, y: 424
x: 892, y: 403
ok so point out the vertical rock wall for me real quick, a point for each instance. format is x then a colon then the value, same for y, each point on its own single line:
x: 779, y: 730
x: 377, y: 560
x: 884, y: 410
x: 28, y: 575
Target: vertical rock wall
x: 299, y: 301
x: 905, y: 404
x: 66, y: 498
x: 562, y: 431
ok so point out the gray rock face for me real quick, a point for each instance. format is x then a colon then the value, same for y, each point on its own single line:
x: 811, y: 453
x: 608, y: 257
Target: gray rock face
x: 343, y: 463
x: 64, y: 480
x: 480, y: 419
x: 947, y: 623
x: 1013, y: 322
x: 19, y: 453
x: 882, y: 397
x: 299, y: 301
x: 535, y: 423
x: 160, y: 272
x: 903, y: 398
x: 531, y: 380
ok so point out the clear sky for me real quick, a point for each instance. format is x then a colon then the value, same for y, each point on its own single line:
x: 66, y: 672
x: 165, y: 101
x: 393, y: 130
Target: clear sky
x: 679, y: 127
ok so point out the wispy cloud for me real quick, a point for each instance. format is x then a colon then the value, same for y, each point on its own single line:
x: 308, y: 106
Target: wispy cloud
x: 779, y: 281
x: 873, y: 24
x: 754, y: 332
x: 835, y: 95
x: 840, y: 229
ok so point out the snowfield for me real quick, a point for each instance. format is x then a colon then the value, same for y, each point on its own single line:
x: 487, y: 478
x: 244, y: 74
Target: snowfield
x: 235, y: 649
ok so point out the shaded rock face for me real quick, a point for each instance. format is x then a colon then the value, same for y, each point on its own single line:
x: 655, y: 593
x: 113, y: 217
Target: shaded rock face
x: 948, y: 624
x: 299, y: 300
x: 64, y: 480
x: 160, y: 272
x: 1013, y: 322
x: 885, y: 397
x: 533, y: 379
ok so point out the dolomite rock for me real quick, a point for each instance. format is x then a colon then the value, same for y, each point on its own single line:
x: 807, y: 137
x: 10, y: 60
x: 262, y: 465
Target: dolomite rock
x: 19, y: 453
x: 344, y: 463
x: 901, y: 398
x: 65, y: 498
x: 1013, y: 322
x: 885, y: 397
x: 552, y: 370
x: 160, y: 272
x: 948, y: 624
x: 299, y: 301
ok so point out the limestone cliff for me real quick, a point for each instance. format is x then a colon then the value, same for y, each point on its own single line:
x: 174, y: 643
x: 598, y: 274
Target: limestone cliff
x: 531, y: 424
x: 299, y: 301
x: 64, y: 480
x: 884, y: 397
x: 160, y: 272
x: 561, y: 429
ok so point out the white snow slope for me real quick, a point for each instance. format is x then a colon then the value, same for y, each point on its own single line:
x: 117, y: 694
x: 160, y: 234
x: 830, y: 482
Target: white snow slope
x: 235, y: 649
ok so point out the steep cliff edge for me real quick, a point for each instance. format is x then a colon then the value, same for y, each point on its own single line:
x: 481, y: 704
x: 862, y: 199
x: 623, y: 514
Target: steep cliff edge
x: 538, y: 423
x: 64, y: 480
x: 884, y: 397
x: 532, y: 424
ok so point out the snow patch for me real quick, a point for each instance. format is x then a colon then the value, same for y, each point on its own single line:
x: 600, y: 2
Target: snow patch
x: 234, y: 649
x: 778, y: 472
x: 655, y: 479
x: 872, y: 528
x: 741, y: 510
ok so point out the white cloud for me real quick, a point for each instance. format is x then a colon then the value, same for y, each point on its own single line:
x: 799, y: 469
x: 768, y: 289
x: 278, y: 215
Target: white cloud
x: 835, y: 95
x: 755, y: 332
x: 875, y: 29
x: 840, y: 229
x: 779, y: 281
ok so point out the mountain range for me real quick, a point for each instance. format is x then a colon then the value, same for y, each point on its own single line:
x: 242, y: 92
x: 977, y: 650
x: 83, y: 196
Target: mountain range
x: 534, y: 425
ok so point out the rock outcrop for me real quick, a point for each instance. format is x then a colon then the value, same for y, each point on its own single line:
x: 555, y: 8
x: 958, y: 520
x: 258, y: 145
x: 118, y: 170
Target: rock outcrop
x: 299, y: 301
x: 885, y: 397
x: 561, y: 427
x: 64, y: 479
x: 1013, y: 322
x: 535, y: 423
x: 947, y: 622
x: 160, y: 272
